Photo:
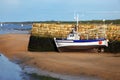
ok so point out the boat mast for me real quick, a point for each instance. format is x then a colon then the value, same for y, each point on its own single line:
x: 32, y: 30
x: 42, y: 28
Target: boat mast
x: 76, y: 17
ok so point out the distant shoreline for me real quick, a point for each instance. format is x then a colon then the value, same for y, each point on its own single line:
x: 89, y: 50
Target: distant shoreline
x: 114, y: 21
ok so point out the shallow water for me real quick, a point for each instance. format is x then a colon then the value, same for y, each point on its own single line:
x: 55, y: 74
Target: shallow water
x: 9, y: 70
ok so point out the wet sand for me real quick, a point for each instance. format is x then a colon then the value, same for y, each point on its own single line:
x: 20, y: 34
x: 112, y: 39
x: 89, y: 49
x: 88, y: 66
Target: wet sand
x: 105, y: 66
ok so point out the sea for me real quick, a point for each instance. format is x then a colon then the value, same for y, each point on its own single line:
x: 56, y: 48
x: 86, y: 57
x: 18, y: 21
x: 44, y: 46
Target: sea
x: 15, y: 28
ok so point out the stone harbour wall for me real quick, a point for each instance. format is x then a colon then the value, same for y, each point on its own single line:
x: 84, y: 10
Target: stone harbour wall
x: 51, y: 30
x: 62, y: 30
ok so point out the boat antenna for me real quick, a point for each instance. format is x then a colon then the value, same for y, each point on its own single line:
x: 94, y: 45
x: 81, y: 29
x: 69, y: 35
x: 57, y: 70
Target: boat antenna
x: 105, y: 35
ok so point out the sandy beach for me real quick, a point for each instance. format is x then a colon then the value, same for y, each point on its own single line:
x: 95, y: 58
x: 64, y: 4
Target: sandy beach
x: 105, y: 66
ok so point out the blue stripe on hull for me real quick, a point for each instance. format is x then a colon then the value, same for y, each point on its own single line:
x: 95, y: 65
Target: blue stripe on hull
x: 95, y: 40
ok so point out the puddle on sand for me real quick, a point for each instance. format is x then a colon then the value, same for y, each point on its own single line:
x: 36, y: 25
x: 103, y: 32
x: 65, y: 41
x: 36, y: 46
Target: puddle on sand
x: 9, y: 70
x: 30, y: 70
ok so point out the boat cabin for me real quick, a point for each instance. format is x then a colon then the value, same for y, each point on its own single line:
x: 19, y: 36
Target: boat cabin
x: 73, y: 36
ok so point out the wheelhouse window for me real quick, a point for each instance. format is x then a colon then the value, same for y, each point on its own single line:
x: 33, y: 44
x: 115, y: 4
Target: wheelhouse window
x: 71, y: 35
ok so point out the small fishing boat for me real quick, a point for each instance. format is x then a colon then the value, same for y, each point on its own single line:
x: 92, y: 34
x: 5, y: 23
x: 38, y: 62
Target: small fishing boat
x: 1, y: 24
x: 73, y: 42
x: 22, y: 25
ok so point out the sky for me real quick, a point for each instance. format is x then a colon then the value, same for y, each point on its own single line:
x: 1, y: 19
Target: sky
x: 58, y: 10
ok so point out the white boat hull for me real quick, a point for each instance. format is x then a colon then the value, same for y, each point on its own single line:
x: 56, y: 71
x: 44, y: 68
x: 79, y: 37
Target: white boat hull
x: 75, y: 45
